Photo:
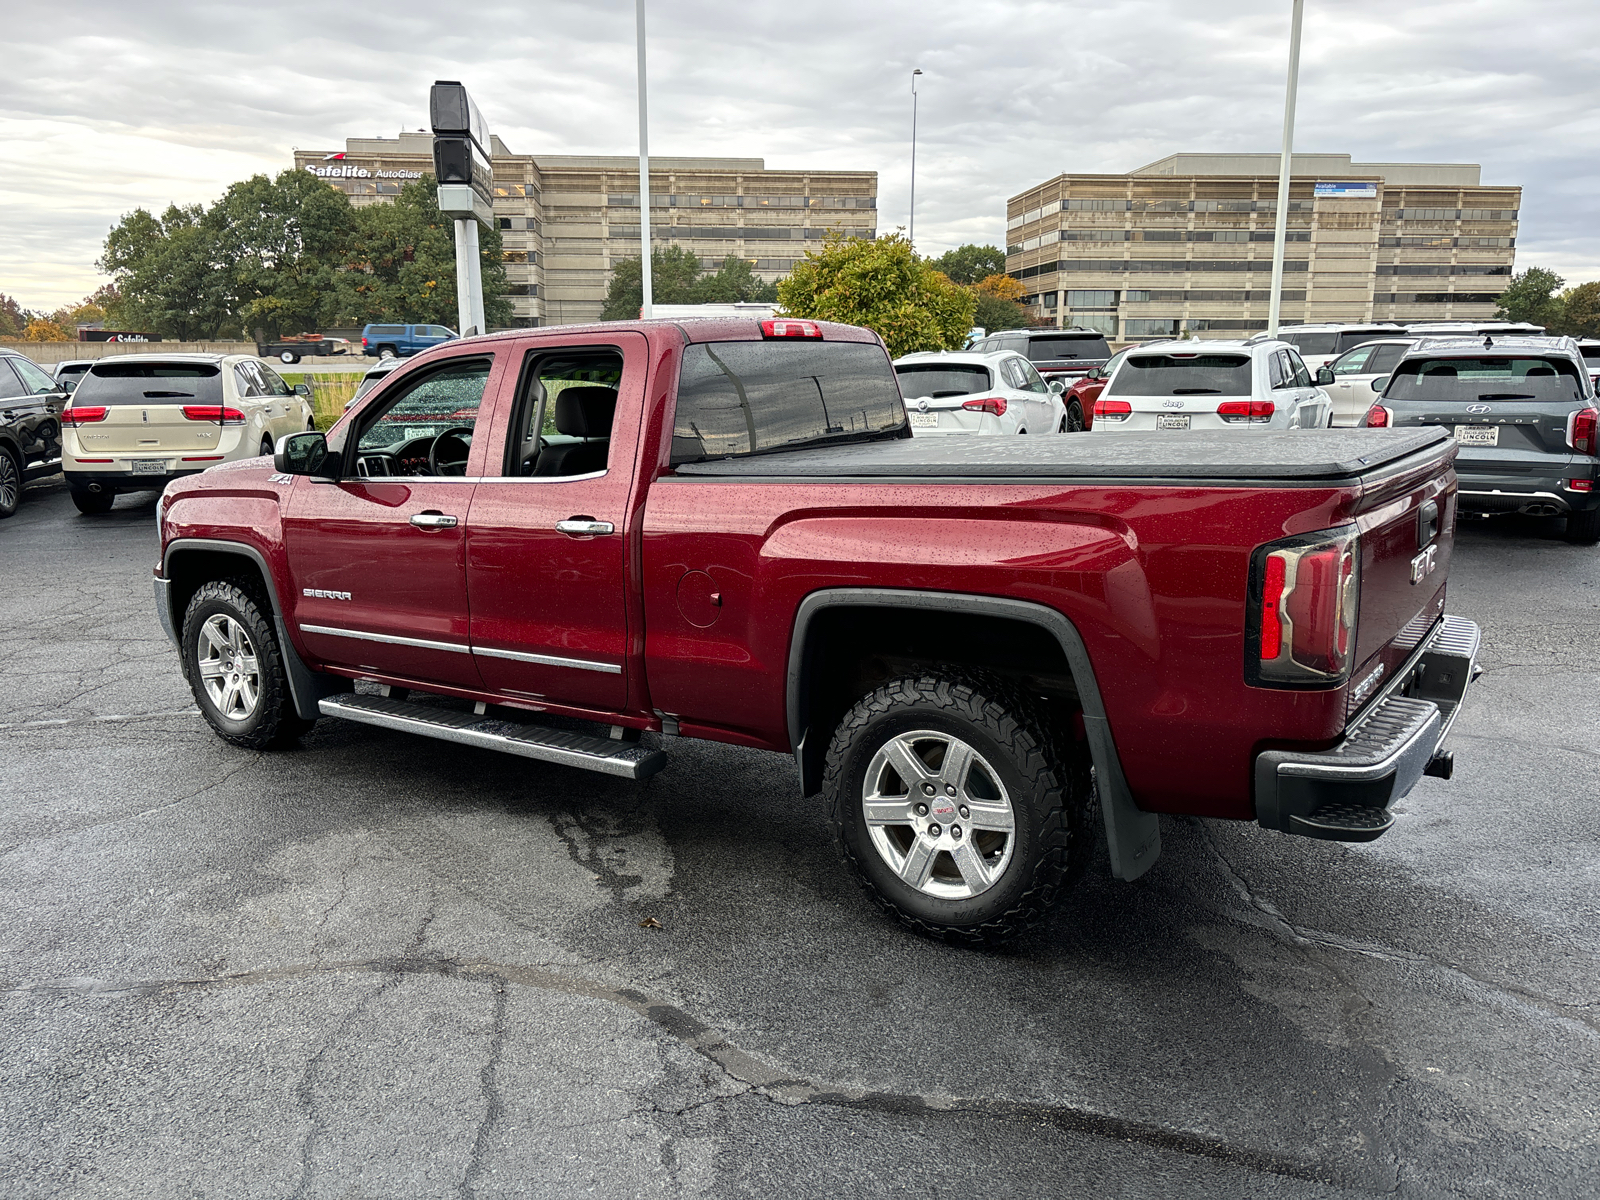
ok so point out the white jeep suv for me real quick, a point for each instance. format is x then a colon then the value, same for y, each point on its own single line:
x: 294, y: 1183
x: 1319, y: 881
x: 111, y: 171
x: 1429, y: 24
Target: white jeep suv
x: 137, y: 421
x: 974, y: 391
x: 1213, y: 385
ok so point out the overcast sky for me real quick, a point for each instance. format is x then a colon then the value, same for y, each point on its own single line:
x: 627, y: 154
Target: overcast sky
x: 105, y: 107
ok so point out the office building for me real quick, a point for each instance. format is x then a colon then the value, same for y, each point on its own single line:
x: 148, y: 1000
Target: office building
x: 565, y: 219
x: 1185, y: 244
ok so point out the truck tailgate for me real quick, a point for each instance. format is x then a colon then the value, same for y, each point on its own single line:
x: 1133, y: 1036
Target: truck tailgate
x: 1406, y: 515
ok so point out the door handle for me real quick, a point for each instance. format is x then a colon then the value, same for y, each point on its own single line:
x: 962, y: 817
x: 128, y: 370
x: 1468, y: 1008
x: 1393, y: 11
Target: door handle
x: 434, y: 520
x: 584, y: 527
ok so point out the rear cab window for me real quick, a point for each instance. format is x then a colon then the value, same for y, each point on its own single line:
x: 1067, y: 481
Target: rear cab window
x: 936, y: 380
x: 1490, y: 377
x: 1182, y: 375
x: 150, y: 383
x: 744, y: 398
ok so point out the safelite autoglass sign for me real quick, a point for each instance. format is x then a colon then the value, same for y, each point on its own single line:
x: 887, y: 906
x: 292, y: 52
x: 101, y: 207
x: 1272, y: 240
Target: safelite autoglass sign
x: 337, y: 168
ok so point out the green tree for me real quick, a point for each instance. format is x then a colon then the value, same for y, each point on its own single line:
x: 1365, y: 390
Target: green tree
x: 970, y: 263
x: 1531, y: 296
x: 883, y: 285
x: 1580, y: 311
x: 12, y: 319
x: 733, y: 282
x: 674, y: 273
x: 401, y: 265
x: 169, y: 274
x: 281, y: 243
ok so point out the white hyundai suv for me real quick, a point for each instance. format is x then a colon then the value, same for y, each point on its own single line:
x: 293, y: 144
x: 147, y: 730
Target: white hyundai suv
x: 974, y: 391
x: 1215, y: 385
x: 137, y: 421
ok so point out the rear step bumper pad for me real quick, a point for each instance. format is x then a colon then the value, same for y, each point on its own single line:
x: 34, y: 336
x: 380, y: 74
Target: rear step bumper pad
x: 1345, y: 793
x: 629, y: 760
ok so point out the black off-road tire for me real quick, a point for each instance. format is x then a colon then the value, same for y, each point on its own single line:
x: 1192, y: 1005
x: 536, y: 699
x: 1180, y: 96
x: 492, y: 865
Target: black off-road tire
x: 273, y: 724
x: 1046, y: 775
x: 1583, y: 529
x: 92, y: 503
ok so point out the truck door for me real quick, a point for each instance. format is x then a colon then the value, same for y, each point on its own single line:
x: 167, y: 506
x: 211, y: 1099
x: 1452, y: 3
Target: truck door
x: 547, y: 539
x: 377, y: 559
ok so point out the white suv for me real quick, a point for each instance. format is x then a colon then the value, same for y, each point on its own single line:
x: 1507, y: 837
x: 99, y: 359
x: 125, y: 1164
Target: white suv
x: 1319, y: 345
x: 1215, y: 385
x: 973, y: 391
x: 1353, y: 373
x: 137, y: 421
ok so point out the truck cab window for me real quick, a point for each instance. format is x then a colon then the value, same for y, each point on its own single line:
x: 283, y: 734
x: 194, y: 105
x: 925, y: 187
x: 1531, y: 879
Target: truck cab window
x: 427, y: 428
x: 563, y: 419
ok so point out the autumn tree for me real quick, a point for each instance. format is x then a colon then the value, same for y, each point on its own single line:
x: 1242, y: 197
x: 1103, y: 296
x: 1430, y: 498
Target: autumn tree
x: 971, y: 263
x: 883, y: 285
x: 12, y: 319
x: 43, y: 329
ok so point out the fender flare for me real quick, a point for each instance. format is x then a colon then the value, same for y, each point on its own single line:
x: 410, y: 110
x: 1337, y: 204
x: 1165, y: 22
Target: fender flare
x: 1133, y: 836
x: 306, y: 686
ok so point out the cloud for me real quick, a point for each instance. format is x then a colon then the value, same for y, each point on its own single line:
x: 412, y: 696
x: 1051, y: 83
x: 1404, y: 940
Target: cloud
x: 119, y: 106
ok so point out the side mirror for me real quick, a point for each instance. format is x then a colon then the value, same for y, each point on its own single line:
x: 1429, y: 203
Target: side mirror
x: 1324, y: 375
x: 1381, y: 382
x: 305, y: 454
x: 66, y: 386
x: 301, y: 389
x: 1057, y: 386
x: 1096, y: 373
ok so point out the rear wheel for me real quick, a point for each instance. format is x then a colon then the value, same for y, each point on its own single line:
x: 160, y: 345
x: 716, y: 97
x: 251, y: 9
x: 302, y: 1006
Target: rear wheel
x: 90, y: 503
x: 1583, y: 529
x: 289, y: 356
x: 235, y: 669
x: 385, y: 352
x: 955, y: 808
x: 10, y: 483
x: 266, y: 447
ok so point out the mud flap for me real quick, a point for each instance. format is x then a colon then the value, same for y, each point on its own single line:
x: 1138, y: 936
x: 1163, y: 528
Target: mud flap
x: 1133, y: 836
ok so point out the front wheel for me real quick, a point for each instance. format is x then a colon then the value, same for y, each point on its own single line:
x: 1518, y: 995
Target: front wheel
x: 1583, y: 528
x: 956, y: 808
x: 235, y: 669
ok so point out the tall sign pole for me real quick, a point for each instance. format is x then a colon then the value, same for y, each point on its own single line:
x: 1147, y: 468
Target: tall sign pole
x: 464, y: 169
x: 911, y: 233
x: 1281, y: 228
x: 647, y: 306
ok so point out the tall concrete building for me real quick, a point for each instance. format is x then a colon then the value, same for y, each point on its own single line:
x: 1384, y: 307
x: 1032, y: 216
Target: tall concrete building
x: 565, y: 219
x: 1186, y: 244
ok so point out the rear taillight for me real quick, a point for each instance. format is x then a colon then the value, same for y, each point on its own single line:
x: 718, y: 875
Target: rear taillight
x: 989, y: 404
x: 1379, y: 417
x: 363, y: 343
x: 790, y: 329
x: 1580, y: 485
x: 1304, y: 595
x: 82, y: 416
x: 1581, y: 433
x: 1112, y: 410
x: 213, y: 412
x: 1246, y: 412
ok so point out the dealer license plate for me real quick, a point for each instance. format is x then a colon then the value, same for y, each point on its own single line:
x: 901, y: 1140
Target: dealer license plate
x: 1172, y: 421
x: 924, y: 420
x: 1478, y: 435
x: 149, y: 466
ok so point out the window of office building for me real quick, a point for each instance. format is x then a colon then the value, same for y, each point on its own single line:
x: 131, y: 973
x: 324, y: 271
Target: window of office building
x: 1105, y: 323
x: 1095, y: 206
x: 1151, y: 327
x: 1091, y: 299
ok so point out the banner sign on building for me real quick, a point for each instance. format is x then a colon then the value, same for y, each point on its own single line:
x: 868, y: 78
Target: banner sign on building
x: 1358, y: 190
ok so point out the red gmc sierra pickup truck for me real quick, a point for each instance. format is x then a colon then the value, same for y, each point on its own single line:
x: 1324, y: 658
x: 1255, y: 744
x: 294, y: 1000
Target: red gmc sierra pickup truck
x: 579, y: 543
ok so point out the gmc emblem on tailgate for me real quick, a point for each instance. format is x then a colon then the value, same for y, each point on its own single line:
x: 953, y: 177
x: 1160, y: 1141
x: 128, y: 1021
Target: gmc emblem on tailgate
x: 1423, y: 564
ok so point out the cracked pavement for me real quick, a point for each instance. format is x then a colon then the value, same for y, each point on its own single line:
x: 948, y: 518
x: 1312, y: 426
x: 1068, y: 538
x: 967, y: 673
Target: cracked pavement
x: 378, y: 966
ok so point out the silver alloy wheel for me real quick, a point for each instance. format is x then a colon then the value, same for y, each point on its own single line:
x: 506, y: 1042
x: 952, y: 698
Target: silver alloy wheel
x: 228, y: 667
x: 10, y: 484
x: 938, y: 814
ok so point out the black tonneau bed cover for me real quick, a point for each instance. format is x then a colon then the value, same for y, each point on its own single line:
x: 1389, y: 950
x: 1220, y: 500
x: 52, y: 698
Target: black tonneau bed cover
x: 1297, y: 456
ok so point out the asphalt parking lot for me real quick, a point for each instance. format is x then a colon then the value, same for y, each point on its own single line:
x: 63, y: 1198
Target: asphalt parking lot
x: 385, y: 967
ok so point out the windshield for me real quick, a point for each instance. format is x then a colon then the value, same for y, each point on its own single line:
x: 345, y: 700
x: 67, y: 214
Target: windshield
x: 1048, y: 349
x: 367, y: 384
x: 1591, y: 354
x: 737, y: 398
x: 150, y: 383
x: 1182, y: 375
x: 942, y: 379
x: 1485, y: 379
x: 1315, y: 343
x: 1354, y: 337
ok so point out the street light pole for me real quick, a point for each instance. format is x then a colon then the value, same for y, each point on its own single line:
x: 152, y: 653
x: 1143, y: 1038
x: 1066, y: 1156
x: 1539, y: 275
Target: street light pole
x: 912, y: 234
x: 645, y: 309
x: 1281, y: 228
